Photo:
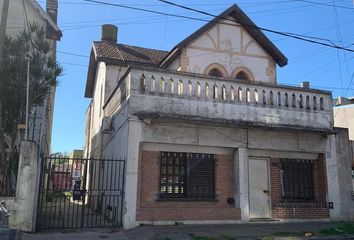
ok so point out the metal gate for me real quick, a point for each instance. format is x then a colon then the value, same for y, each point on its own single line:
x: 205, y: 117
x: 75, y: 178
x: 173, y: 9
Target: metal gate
x: 81, y: 193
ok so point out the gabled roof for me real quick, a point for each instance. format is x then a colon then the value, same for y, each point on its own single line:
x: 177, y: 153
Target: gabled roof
x: 122, y: 53
x: 57, y: 33
x: 235, y: 12
x: 119, y: 54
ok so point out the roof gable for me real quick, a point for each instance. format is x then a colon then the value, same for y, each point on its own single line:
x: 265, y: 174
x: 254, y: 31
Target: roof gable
x: 235, y: 12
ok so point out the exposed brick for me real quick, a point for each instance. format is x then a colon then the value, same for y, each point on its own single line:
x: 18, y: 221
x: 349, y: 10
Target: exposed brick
x: 150, y: 209
x: 315, y: 209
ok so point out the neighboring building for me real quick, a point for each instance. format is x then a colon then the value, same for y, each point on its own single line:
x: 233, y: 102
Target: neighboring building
x: 207, y: 133
x: 344, y: 117
x: 20, y: 14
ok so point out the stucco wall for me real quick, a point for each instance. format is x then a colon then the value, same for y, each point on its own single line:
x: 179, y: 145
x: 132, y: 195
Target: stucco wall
x: 231, y: 47
x: 344, y: 118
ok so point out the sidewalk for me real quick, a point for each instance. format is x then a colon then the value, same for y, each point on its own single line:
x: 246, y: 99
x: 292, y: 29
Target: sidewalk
x: 81, y: 234
x: 266, y: 231
x: 263, y: 231
x: 8, y: 234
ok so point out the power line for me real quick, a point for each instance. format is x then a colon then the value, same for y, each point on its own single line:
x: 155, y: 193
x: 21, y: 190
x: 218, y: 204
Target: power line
x: 288, y: 34
x: 325, y: 4
x: 291, y: 35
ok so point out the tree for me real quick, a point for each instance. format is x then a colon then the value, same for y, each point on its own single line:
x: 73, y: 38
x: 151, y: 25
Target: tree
x: 29, y: 44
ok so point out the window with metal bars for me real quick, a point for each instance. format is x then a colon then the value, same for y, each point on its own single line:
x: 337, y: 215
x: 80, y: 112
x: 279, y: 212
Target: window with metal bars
x: 297, y: 179
x: 189, y: 176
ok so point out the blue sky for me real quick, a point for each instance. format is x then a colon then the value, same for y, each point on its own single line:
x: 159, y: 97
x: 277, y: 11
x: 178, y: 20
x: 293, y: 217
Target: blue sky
x: 324, y: 67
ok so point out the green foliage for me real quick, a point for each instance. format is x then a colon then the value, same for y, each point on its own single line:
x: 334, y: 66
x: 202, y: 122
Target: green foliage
x: 44, y: 71
x: 345, y: 228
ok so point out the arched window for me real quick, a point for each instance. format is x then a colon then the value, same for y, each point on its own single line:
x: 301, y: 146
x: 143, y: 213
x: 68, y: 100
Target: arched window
x: 198, y: 89
x: 301, y: 101
x: 321, y: 103
x: 215, y: 73
x: 189, y: 88
x: 215, y: 91
x: 293, y: 100
x: 241, y: 76
x: 307, y: 102
x: 142, y: 83
x: 248, y: 95
x: 232, y: 93
x: 271, y: 98
x: 286, y: 100
x: 314, y: 103
x: 180, y: 87
x: 279, y: 99
x: 240, y: 94
x: 206, y: 90
x: 171, y: 86
x: 152, y: 84
x: 162, y: 85
x: 256, y: 97
x: 264, y: 97
x: 223, y: 92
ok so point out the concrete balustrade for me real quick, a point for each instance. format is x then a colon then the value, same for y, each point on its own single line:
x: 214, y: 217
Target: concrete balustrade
x: 193, y: 96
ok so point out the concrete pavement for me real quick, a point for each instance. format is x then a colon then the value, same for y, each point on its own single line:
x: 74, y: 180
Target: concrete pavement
x: 264, y: 231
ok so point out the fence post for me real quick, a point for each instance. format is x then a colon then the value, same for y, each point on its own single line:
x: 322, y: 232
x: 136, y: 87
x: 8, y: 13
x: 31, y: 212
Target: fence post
x: 27, y: 191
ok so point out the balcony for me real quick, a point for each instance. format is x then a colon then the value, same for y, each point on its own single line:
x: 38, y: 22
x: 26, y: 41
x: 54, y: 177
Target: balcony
x: 190, y: 97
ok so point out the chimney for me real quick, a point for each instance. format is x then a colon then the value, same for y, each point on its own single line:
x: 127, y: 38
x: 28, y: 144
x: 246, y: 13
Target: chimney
x: 305, y: 84
x: 109, y: 33
x: 52, y: 9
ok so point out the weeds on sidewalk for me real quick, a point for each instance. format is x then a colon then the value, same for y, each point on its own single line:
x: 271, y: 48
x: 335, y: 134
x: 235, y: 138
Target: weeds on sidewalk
x: 343, y: 228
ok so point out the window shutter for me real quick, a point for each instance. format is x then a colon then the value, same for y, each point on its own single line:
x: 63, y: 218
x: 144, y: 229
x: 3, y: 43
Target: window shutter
x: 201, y: 181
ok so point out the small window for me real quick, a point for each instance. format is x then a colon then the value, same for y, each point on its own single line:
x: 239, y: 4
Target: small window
x: 215, y: 73
x: 188, y: 176
x: 241, y: 76
x: 297, y: 179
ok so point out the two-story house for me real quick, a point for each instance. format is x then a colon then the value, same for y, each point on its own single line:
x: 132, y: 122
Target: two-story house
x: 207, y: 133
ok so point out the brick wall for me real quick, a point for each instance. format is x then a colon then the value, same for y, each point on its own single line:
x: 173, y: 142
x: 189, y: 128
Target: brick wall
x: 150, y: 209
x: 315, y: 209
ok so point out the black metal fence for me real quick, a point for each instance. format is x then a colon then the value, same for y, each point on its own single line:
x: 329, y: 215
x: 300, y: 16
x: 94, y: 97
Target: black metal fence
x: 8, y: 173
x: 81, y: 193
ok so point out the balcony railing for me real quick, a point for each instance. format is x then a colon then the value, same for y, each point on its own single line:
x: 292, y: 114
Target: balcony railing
x: 241, y: 101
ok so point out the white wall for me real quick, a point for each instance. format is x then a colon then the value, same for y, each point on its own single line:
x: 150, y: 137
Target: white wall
x: 230, y: 46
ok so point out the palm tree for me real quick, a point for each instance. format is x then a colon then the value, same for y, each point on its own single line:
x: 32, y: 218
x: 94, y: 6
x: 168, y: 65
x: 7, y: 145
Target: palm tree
x: 29, y: 44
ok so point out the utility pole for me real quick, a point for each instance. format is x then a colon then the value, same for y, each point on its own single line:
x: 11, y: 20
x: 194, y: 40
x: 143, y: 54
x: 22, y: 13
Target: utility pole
x: 3, y: 23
